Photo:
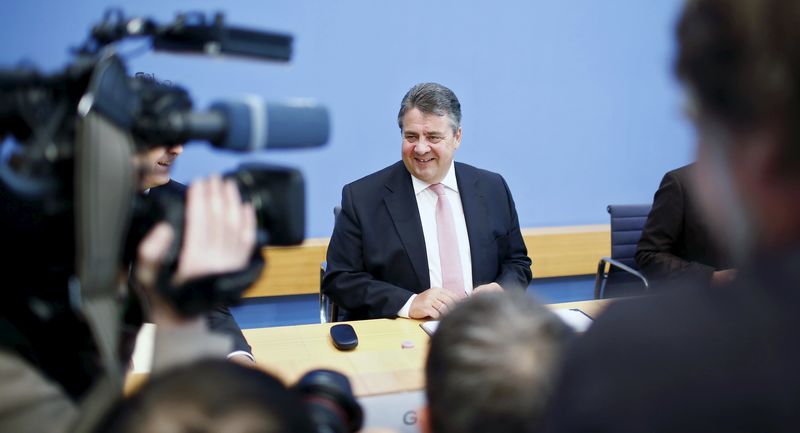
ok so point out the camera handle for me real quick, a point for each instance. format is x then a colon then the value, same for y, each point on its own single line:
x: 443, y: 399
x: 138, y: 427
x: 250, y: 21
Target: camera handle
x: 103, y: 191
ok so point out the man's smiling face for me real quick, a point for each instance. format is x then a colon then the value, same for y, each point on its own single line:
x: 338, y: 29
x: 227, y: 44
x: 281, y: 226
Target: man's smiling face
x: 158, y: 161
x: 429, y: 144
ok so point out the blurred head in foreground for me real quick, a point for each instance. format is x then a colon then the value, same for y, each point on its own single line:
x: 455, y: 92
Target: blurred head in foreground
x: 208, y: 397
x: 740, y: 63
x: 492, y: 365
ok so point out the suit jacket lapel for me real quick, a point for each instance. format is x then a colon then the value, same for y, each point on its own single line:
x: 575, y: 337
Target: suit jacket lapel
x: 476, y: 216
x: 402, y: 206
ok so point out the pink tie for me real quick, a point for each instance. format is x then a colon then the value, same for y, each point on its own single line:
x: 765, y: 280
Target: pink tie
x: 452, y: 274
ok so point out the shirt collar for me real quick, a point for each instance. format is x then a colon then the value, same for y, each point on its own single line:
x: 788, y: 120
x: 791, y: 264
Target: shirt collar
x: 449, y: 181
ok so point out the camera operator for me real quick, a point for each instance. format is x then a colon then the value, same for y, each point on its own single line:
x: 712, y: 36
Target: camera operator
x: 39, y: 389
x: 157, y: 182
x: 71, y: 217
x: 161, y: 98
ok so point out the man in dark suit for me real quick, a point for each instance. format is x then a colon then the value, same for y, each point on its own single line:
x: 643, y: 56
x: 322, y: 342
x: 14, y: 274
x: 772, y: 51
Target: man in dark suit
x: 414, y: 238
x: 676, y: 243
x: 156, y: 182
x: 715, y: 360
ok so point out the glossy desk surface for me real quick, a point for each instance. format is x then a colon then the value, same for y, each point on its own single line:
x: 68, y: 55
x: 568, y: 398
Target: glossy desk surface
x: 379, y: 365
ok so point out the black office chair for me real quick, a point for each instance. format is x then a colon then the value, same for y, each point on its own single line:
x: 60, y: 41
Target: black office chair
x: 328, y: 310
x: 619, y: 275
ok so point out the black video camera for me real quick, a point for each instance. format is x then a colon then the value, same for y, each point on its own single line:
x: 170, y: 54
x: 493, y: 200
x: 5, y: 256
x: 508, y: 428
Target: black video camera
x: 69, y: 182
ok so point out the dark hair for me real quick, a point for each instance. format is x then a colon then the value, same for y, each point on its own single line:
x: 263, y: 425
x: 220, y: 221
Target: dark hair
x: 740, y: 60
x: 431, y: 98
x: 210, y: 396
x: 492, y: 365
x: 151, y: 78
x: 160, y: 96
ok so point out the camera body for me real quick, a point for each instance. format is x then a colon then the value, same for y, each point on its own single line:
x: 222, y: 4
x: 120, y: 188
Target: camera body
x: 69, y: 184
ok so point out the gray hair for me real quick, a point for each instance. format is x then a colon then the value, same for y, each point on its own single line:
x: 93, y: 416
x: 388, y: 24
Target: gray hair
x: 492, y: 364
x: 431, y: 98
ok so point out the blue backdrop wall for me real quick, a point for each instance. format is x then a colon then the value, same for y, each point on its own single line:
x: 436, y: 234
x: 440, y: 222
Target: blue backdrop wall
x: 573, y: 101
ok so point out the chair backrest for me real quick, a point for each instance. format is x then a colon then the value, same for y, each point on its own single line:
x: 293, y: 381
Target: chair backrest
x: 627, y: 222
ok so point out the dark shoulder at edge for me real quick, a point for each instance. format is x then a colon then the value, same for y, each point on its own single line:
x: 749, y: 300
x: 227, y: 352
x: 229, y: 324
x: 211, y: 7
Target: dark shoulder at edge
x: 376, y: 179
x: 475, y: 171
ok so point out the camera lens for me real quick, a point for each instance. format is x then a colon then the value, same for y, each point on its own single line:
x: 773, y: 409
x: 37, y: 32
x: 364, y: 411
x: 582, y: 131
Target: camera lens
x: 330, y: 401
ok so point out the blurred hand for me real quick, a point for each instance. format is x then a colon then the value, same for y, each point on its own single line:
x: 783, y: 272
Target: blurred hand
x: 219, y: 236
x: 487, y: 288
x: 723, y: 277
x: 434, y: 303
x: 150, y: 254
x: 220, y: 230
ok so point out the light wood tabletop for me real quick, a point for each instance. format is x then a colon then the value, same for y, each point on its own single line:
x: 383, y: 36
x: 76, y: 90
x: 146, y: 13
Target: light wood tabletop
x: 379, y: 365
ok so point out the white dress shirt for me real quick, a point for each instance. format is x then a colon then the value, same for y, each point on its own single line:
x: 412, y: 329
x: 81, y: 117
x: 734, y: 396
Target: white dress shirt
x: 426, y: 203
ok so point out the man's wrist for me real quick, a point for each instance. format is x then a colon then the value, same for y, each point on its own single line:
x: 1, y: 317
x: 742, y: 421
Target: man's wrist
x: 405, y: 312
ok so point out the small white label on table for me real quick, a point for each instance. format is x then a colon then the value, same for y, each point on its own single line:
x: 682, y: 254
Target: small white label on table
x: 574, y: 318
x: 430, y: 326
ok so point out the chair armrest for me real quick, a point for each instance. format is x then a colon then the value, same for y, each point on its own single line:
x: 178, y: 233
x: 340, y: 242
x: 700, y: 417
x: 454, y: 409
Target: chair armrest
x: 599, y: 276
x: 611, y: 262
x: 627, y: 269
x: 328, y: 310
x: 323, y: 300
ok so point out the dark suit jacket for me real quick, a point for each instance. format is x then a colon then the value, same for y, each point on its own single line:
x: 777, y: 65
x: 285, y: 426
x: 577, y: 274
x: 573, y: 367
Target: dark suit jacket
x: 219, y: 319
x: 676, y: 242
x: 377, y: 257
x: 723, y: 360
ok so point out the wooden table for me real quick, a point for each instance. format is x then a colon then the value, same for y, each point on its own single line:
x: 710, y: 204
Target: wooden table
x: 379, y: 365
